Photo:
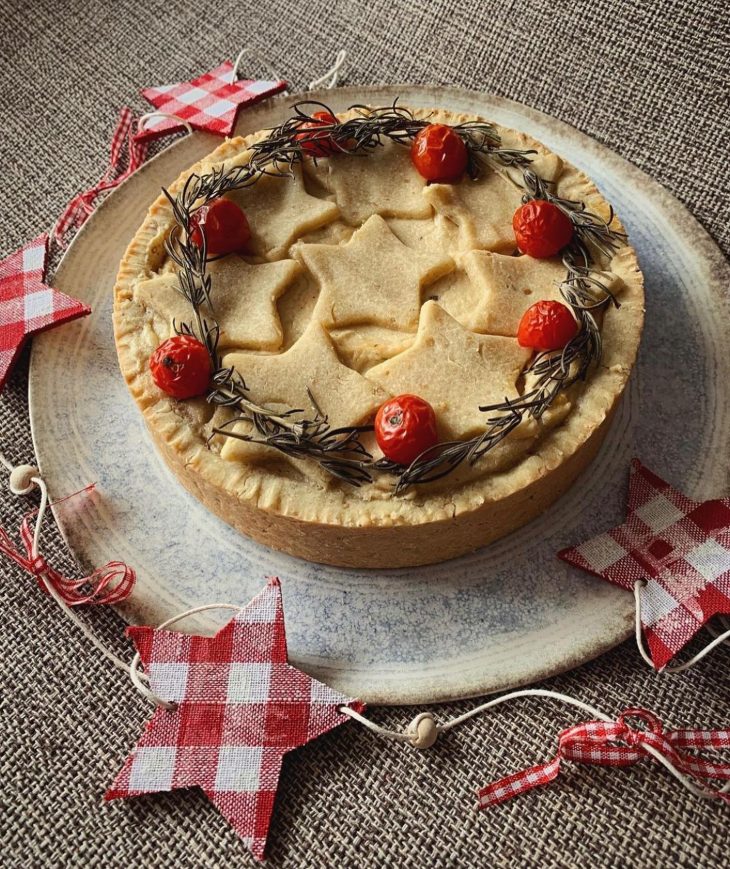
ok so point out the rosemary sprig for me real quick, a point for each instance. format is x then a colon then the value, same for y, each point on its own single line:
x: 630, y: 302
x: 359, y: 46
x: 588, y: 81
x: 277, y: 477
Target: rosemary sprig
x: 340, y: 451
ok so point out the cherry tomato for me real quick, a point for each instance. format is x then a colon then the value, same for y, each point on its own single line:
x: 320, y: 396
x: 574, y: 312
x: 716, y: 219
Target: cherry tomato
x: 541, y: 228
x: 546, y: 325
x: 405, y: 426
x: 439, y: 154
x: 318, y: 144
x: 224, y: 224
x: 181, y: 366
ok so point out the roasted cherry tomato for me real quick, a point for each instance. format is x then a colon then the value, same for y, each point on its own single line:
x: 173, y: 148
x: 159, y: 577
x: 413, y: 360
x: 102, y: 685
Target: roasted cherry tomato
x: 181, y: 366
x: 317, y: 144
x: 439, y: 154
x: 224, y: 224
x: 546, y: 325
x: 405, y: 426
x: 541, y: 228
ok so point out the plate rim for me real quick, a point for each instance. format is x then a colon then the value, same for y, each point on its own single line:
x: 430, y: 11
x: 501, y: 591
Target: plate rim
x: 681, y: 217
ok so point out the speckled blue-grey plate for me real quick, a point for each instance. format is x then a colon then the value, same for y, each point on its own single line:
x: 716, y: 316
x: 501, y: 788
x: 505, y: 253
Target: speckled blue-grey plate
x: 507, y: 615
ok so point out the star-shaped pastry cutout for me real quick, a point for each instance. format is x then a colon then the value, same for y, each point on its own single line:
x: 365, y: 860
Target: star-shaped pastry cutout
x: 506, y: 286
x: 373, y: 279
x: 27, y: 304
x: 383, y: 182
x: 244, y: 300
x: 482, y: 210
x: 240, y: 707
x: 210, y: 102
x: 279, y: 210
x: 679, y: 547
x: 455, y: 370
x: 282, y: 379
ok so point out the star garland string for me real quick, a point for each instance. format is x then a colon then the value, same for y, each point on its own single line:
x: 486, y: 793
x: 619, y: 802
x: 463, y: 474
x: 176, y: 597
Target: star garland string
x: 210, y: 102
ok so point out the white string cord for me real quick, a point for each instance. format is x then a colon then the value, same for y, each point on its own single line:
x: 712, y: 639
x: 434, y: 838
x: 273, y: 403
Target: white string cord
x: 410, y: 734
x: 260, y: 62
x: 720, y: 638
x: 328, y: 80
x: 332, y: 76
x: 23, y: 479
x: 143, y: 119
x: 725, y: 622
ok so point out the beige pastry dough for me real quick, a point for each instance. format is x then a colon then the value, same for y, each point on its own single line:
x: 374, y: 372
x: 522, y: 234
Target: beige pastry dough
x: 507, y: 286
x: 455, y: 370
x: 279, y: 210
x: 343, y: 395
x: 364, y: 282
x: 245, y: 301
x: 373, y: 279
x: 482, y: 210
x: 391, y: 188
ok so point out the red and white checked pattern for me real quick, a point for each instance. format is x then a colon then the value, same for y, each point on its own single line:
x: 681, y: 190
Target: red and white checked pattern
x: 111, y: 583
x: 82, y: 206
x: 617, y: 743
x: 27, y: 305
x: 679, y: 546
x: 209, y: 102
x: 240, y: 708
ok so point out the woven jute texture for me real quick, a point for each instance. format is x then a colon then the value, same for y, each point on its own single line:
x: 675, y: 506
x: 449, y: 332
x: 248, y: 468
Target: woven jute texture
x: 648, y: 79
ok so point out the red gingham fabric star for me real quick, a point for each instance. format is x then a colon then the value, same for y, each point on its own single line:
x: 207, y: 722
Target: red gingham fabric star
x: 27, y: 305
x: 240, y: 708
x: 680, y: 547
x: 209, y: 102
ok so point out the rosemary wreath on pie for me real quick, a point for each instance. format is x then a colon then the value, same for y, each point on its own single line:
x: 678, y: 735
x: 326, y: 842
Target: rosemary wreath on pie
x: 340, y: 451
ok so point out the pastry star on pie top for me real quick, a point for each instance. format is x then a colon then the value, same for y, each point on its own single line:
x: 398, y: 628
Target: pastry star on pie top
x: 385, y: 182
x: 454, y: 370
x: 345, y: 396
x: 243, y: 296
x: 373, y: 279
x: 505, y: 288
x: 279, y: 210
x: 482, y: 210
x: 508, y: 285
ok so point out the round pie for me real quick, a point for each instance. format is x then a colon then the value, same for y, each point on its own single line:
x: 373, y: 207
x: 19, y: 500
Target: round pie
x: 362, y: 281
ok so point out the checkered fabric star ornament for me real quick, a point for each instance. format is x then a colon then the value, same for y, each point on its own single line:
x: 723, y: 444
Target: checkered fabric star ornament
x: 209, y: 102
x: 679, y: 547
x: 27, y: 304
x: 240, y: 707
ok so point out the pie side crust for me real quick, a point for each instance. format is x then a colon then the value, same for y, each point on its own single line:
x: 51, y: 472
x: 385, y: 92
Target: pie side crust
x: 313, y: 517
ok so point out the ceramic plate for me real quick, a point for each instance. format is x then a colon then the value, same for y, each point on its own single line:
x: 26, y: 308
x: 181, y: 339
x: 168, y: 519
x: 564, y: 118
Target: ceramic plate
x: 507, y: 615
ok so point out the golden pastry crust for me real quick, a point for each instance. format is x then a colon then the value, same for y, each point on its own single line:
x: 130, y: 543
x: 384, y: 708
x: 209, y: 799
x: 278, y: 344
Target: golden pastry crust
x: 292, y: 504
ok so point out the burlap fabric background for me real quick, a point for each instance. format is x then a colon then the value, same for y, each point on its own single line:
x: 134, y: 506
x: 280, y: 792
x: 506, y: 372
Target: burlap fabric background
x: 648, y: 79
